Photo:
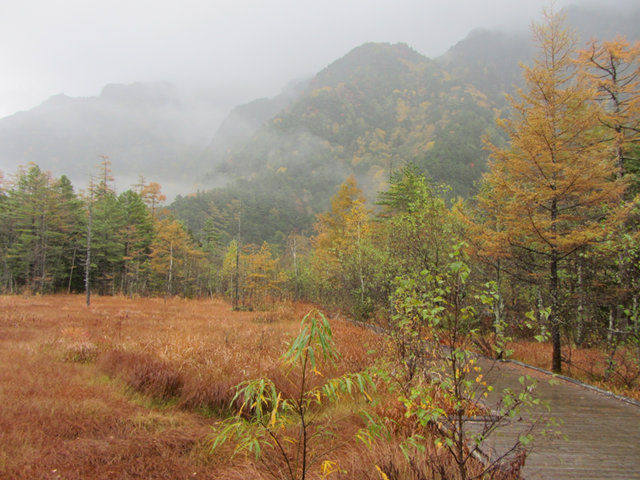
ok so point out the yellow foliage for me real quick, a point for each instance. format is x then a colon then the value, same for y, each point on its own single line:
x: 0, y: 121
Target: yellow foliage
x: 319, y: 91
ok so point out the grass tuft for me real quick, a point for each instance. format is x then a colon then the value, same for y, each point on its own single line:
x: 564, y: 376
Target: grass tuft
x: 143, y: 373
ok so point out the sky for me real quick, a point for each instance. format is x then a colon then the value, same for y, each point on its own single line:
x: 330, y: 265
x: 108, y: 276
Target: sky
x: 241, y: 49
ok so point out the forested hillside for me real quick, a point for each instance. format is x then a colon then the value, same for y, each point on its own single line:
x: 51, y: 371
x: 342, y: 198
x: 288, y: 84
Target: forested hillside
x: 368, y: 114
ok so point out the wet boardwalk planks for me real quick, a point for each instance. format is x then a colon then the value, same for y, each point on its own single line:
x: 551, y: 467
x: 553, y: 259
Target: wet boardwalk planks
x: 603, y: 432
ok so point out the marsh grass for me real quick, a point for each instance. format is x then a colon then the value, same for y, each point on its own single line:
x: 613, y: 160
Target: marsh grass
x: 586, y: 364
x: 130, y: 388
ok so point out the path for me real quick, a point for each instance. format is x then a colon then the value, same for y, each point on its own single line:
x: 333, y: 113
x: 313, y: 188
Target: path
x: 603, y: 432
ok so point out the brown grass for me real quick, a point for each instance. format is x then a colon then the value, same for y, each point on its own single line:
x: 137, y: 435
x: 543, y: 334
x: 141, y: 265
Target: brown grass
x: 585, y: 364
x: 130, y: 388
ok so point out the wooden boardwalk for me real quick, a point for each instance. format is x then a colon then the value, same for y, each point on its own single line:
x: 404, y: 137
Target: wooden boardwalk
x: 603, y: 432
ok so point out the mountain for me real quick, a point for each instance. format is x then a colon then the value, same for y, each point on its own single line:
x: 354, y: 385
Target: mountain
x: 149, y: 129
x: 244, y: 120
x: 368, y: 113
x: 490, y: 60
x: 604, y: 23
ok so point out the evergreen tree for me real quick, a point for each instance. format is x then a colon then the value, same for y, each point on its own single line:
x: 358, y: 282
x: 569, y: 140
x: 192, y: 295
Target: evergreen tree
x: 107, y: 242
x: 30, y: 215
x: 70, y: 236
x: 136, y: 235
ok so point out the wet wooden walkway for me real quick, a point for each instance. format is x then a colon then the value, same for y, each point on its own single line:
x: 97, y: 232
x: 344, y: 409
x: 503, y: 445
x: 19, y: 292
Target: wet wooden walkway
x: 603, y: 432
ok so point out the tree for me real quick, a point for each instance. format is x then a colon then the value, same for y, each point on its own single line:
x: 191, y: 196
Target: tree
x: 107, y: 243
x: 341, y: 247
x: 432, y: 373
x: 332, y: 225
x: 105, y: 177
x: 488, y: 244
x: 286, y: 420
x: 40, y: 217
x: 173, y: 254
x: 555, y: 175
x: 613, y: 69
x: 152, y: 196
x: 41, y: 230
x: 29, y: 206
x: 421, y: 229
x: 68, y: 241
x: 137, y: 235
x: 5, y: 238
x: 263, y: 279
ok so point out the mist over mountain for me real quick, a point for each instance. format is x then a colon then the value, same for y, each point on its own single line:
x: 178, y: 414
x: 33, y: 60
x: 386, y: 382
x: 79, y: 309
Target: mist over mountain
x: 604, y: 23
x: 368, y: 113
x: 149, y: 129
x: 243, y: 121
x: 490, y: 59
x: 369, y: 82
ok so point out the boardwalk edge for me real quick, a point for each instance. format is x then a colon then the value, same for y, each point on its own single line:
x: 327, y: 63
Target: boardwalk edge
x: 576, y: 382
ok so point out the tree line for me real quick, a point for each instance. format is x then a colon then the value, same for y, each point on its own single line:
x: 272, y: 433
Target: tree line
x: 48, y: 231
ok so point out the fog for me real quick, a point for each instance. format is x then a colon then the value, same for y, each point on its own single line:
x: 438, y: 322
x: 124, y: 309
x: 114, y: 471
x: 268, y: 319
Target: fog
x: 239, y: 49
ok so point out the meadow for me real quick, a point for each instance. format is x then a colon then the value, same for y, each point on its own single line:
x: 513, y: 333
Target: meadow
x: 131, y: 388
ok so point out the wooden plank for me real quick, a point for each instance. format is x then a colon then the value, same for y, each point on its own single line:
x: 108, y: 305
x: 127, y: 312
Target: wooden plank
x: 603, y: 432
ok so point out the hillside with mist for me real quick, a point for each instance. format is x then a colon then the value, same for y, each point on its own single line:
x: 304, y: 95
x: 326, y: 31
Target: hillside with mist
x: 149, y: 129
x: 367, y: 114
x: 379, y: 107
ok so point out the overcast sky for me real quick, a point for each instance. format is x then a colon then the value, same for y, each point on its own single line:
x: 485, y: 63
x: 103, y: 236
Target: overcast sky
x: 242, y: 48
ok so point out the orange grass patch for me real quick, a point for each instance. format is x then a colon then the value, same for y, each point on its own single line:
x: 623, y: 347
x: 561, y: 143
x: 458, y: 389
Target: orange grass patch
x: 129, y: 388
x: 584, y: 364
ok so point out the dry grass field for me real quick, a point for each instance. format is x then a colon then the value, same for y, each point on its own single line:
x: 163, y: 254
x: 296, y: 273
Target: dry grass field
x: 130, y: 388
x: 586, y: 364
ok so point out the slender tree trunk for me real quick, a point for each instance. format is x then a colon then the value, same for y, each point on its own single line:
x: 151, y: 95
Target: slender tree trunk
x: 170, y: 269
x: 43, y: 253
x: 73, y: 266
x: 237, y: 272
x: 87, y: 267
x: 360, y: 272
x: 581, y: 304
x: 556, y: 364
x: 294, y: 251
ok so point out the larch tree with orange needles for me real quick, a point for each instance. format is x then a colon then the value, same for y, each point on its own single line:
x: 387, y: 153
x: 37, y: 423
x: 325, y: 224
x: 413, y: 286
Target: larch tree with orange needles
x: 613, y: 68
x: 173, y: 254
x: 341, y: 260
x: 152, y: 196
x: 555, y: 181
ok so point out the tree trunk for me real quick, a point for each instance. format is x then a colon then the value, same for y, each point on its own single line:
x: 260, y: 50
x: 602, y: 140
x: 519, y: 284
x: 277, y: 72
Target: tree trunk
x: 556, y: 364
x: 87, y: 267
x: 170, y: 269
x: 73, y: 266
